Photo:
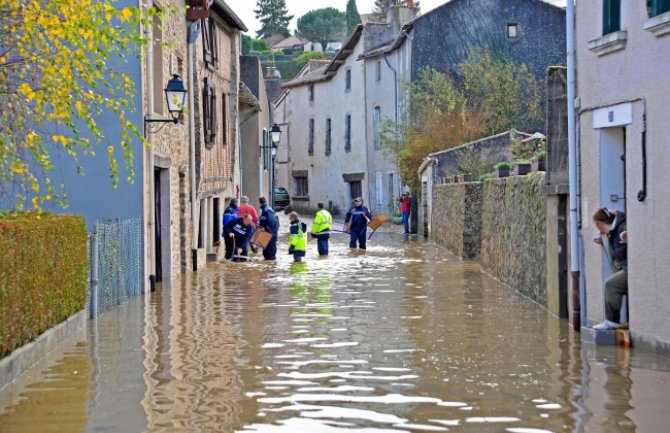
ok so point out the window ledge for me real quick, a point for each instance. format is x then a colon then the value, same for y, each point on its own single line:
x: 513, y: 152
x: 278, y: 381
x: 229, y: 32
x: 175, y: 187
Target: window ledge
x: 609, y: 43
x: 300, y: 198
x: 658, y: 25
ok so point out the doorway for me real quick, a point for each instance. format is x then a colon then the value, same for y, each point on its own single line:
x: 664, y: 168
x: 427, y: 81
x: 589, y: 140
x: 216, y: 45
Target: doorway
x: 162, y: 230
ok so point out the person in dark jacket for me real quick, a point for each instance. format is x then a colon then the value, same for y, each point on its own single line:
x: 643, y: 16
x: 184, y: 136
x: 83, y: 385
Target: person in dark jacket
x: 356, y: 222
x: 613, y: 225
x: 231, y: 212
x: 237, y: 234
x: 270, y: 223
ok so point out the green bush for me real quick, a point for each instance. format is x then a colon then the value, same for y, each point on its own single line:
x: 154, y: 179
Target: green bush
x: 503, y: 165
x: 541, y: 155
x: 43, y: 274
x: 486, y: 176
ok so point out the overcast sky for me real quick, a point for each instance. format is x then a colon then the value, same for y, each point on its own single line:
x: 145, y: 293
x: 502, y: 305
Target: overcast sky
x: 245, y: 8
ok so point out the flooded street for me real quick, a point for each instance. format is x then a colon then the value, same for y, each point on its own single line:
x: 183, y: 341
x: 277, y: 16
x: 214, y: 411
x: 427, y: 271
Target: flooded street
x: 402, y: 338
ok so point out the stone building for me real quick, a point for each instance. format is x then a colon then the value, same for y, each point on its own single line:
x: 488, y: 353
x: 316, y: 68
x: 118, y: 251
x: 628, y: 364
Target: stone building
x: 623, y: 55
x: 530, y: 31
x: 216, y: 78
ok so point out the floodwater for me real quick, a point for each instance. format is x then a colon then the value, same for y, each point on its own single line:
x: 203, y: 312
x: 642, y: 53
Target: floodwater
x: 402, y: 338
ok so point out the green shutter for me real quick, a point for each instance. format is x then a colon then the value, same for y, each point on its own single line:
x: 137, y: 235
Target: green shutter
x: 611, y: 16
x: 657, y: 7
x: 265, y: 149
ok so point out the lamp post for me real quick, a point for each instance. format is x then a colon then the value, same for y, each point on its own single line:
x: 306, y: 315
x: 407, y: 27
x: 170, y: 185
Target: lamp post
x: 175, y: 94
x: 275, y: 136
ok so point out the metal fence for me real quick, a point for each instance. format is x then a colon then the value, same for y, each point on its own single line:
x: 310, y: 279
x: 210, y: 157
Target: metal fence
x: 116, y: 264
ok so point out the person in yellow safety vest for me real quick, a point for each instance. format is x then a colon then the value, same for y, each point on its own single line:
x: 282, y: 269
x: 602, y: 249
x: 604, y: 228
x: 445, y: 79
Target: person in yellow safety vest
x: 321, y: 228
x: 297, y: 237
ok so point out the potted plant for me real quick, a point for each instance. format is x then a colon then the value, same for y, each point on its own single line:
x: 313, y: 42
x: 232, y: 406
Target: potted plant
x: 468, y: 177
x: 502, y: 169
x: 522, y: 167
x: 539, y: 163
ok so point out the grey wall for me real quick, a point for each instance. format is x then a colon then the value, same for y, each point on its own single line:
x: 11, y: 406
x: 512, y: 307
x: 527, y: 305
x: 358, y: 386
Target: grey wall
x: 442, y: 37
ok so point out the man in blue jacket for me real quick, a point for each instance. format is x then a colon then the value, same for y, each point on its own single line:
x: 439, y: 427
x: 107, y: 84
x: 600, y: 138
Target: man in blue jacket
x: 270, y: 223
x: 356, y: 221
x: 237, y: 234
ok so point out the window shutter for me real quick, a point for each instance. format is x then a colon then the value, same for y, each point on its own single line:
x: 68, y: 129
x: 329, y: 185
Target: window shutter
x: 206, y: 40
x: 215, y: 42
x: 611, y: 16
x: 224, y: 119
x: 207, y: 126
x: 212, y: 105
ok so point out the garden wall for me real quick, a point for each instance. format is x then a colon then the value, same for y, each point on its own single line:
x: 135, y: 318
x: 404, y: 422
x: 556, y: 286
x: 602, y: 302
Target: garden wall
x: 43, y: 274
x: 456, y: 218
x: 513, y: 233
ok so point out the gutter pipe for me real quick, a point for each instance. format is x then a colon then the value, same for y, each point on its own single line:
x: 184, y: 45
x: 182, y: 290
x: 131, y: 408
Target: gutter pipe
x: 577, y: 294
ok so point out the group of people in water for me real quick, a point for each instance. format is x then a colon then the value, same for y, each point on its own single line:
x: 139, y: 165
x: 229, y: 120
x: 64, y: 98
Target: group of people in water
x: 241, y: 221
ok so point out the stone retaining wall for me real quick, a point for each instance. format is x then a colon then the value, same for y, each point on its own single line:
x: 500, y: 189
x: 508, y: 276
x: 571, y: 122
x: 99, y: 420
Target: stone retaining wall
x: 503, y: 221
x: 514, y: 232
x: 456, y: 218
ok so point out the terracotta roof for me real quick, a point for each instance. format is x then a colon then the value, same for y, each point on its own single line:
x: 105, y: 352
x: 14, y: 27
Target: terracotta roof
x: 313, y: 72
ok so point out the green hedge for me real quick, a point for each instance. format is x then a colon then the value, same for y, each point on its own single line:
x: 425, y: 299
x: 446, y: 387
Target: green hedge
x: 43, y: 274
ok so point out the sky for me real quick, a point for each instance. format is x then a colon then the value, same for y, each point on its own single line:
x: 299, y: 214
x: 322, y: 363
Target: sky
x: 245, y: 8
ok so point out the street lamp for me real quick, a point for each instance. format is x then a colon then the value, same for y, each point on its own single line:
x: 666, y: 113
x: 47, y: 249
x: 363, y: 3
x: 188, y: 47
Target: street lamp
x: 175, y: 94
x: 275, y: 137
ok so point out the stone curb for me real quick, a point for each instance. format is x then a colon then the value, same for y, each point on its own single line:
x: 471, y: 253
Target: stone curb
x: 26, y: 356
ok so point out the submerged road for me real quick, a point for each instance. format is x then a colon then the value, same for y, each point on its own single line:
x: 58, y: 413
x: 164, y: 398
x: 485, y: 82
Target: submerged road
x: 401, y: 338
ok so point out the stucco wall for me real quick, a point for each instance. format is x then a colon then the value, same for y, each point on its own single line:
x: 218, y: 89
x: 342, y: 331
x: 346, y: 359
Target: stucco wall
x: 513, y: 233
x: 641, y: 72
x: 457, y: 218
x: 442, y: 35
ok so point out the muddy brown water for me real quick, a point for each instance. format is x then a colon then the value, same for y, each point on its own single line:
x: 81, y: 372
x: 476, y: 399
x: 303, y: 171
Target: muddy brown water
x: 402, y: 338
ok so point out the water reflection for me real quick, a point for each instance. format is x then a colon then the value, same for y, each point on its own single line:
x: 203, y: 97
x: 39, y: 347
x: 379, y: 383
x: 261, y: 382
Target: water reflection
x: 401, y: 338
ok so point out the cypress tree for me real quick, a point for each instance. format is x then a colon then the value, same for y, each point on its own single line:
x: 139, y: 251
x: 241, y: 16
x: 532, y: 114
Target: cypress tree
x: 274, y: 18
x: 353, y: 17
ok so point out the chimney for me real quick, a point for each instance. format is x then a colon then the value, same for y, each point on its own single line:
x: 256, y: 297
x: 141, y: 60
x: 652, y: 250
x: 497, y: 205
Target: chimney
x: 410, y: 4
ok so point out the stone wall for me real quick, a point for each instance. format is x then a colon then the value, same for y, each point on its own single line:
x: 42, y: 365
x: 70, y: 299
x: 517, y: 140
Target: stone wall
x: 456, y: 219
x: 513, y: 233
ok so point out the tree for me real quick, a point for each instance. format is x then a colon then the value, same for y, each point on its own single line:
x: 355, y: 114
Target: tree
x: 305, y: 57
x: 353, y: 17
x: 322, y: 25
x: 274, y: 18
x: 61, y: 71
x: 250, y: 45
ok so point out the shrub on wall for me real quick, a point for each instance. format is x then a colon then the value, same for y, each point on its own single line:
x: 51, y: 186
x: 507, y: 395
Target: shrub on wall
x: 43, y: 274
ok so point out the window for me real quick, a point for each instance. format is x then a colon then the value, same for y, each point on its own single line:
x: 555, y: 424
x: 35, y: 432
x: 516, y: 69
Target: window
x: 209, y: 42
x: 224, y: 119
x: 378, y: 71
x: 311, y: 93
x: 391, y: 185
x: 512, y: 30
x: 355, y: 189
x: 347, y: 133
x: 377, y: 127
x: 657, y: 7
x: 347, y: 81
x: 209, y: 113
x: 300, y: 188
x: 265, y: 149
x: 310, y: 143
x: 328, y: 136
x: 611, y: 16
x: 379, y: 187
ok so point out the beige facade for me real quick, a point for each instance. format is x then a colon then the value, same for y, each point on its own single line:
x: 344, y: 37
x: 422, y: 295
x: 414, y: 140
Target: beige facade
x: 255, y: 139
x: 623, y: 95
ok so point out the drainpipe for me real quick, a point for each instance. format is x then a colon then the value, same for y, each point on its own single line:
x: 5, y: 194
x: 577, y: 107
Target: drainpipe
x: 577, y: 293
x: 150, y: 140
x: 193, y: 31
x: 395, y: 88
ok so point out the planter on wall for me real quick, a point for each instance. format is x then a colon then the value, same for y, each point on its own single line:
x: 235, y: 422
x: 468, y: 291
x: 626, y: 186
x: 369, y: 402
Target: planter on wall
x: 521, y: 169
x: 468, y: 178
x: 502, y: 172
x: 539, y: 165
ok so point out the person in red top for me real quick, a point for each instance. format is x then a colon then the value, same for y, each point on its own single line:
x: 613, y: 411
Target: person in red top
x: 246, y: 208
x: 405, y: 207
